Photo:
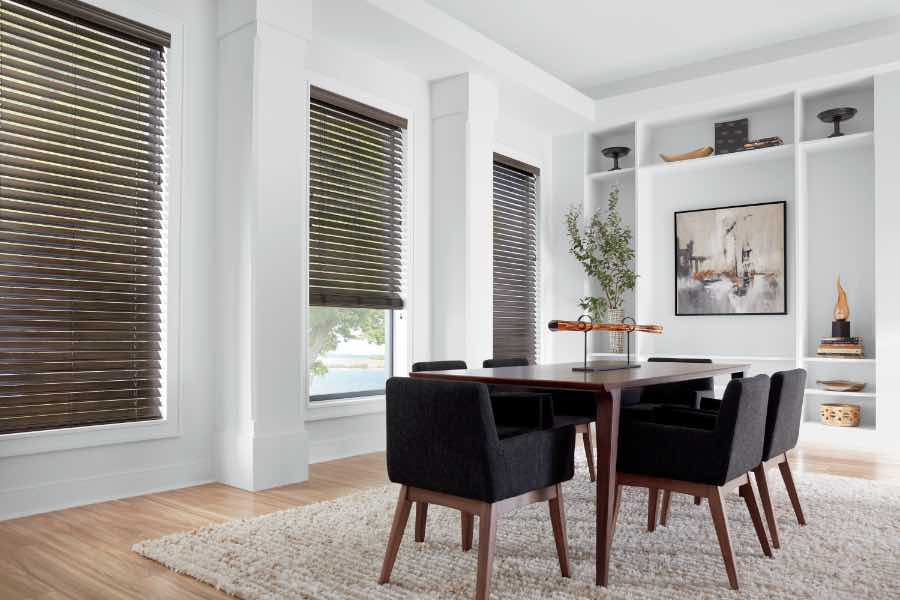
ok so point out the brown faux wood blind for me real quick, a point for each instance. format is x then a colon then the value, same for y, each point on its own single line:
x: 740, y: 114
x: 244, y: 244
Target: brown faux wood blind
x: 82, y: 218
x: 515, y: 261
x: 356, y: 198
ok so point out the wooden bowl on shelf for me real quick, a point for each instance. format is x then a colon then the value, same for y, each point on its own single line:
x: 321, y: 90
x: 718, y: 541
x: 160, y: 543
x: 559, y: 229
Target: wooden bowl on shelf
x: 840, y: 415
x: 842, y: 385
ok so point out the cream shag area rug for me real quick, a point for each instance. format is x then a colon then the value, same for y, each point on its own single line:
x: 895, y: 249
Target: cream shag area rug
x: 333, y: 550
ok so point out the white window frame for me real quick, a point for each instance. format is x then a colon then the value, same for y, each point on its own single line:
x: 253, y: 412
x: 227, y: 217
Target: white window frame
x: 318, y: 410
x: 52, y: 440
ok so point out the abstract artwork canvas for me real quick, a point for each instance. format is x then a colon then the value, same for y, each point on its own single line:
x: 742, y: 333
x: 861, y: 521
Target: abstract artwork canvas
x: 731, y: 260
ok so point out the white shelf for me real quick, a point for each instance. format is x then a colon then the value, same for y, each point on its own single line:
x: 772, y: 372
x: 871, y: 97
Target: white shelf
x: 814, y: 431
x: 852, y: 140
x: 601, y: 175
x: 827, y: 359
x: 723, y: 160
x: 821, y: 392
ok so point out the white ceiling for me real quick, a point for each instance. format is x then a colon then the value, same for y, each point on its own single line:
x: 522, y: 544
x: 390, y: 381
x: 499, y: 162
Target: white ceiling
x: 592, y: 43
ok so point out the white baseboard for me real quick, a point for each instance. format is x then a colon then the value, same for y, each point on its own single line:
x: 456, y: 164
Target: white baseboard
x: 58, y: 495
x: 346, y: 446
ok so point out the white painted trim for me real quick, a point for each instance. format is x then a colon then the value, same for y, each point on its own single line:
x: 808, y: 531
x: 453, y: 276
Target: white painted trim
x: 33, y: 442
x: 66, y: 493
x: 347, y: 407
x: 343, y: 447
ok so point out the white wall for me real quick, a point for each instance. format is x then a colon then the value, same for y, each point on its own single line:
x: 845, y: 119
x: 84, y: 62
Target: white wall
x: 714, y: 335
x: 50, y: 480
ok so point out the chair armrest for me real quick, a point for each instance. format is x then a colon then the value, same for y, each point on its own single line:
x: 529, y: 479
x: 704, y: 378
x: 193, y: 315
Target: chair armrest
x: 523, y: 409
x: 711, y: 404
x: 683, y: 416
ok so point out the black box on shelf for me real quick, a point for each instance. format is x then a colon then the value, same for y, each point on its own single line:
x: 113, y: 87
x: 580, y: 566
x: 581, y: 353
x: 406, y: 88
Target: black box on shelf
x: 732, y: 135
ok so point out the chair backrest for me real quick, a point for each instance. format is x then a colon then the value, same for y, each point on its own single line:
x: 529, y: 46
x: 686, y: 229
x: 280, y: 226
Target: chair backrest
x: 785, y: 412
x: 683, y: 392
x: 496, y: 363
x: 439, y: 365
x: 741, y: 425
x: 441, y: 436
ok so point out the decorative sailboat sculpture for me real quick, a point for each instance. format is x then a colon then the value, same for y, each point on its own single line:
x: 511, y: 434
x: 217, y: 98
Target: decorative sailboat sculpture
x: 585, y: 324
x: 614, y: 327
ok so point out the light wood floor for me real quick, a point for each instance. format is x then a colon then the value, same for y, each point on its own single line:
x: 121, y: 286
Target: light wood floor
x: 85, y: 552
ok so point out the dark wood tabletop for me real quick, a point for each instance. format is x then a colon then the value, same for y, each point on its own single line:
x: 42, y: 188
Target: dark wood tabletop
x: 561, y: 375
x: 607, y: 387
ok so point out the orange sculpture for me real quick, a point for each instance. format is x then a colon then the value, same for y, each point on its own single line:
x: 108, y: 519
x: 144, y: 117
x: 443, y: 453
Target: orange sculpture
x: 841, y: 308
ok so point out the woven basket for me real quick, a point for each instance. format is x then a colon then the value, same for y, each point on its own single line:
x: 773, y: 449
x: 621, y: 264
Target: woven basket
x: 840, y: 415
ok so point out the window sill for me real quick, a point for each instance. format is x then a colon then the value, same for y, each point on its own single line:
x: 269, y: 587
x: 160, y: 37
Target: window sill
x: 55, y: 440
x: 346, y: 407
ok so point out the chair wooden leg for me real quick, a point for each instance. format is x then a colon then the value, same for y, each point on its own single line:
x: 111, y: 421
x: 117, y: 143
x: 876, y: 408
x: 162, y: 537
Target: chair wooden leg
x: 652, y: 506
x: 558, y: 520
x: 615, y: 515
x: 749, y: 497
x: 762, y: 484
x: 717, y: 509
x: 589, y: 452
x: 421, y: 519
x: 698, y: 500
x: 401, y: 516
x: 468, y: 526
x: 788, y: 477
x: 666, y: 507
x: 487, y: 537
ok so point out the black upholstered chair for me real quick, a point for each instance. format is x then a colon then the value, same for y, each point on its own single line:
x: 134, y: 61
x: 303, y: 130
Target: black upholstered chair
x: 702, y: 462
x: 684, y: 393
x: 443, y: 448
x: 515, y: 411
x: 783, y: 418
x: 569, y: 407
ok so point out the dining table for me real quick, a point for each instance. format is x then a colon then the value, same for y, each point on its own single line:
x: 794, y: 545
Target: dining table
x: 606, y: 383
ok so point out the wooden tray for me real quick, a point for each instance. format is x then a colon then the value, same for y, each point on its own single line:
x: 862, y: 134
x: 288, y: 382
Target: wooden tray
x: 842, y: 385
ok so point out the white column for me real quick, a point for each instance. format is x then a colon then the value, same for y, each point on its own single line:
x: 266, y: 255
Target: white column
x: 464, y: 115
x: 261, y: 177
x: 887, y: 249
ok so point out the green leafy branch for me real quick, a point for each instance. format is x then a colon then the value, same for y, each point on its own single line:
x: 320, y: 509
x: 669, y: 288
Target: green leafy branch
x: 604, y: 250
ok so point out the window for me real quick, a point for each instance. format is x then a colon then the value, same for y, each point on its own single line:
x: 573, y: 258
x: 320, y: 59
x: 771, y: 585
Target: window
x: 356, y: 267
x: 515, y: 259
x: 82, y: 217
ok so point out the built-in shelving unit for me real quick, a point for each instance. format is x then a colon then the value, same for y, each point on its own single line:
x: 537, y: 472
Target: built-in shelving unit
x: 829, y: 186
x: 849, y: 141
x: 785, y: 152
x: 611, y: 175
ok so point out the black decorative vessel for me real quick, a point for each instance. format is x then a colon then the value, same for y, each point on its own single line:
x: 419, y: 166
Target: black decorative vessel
x: 615, y: 153
x: 835, y: 116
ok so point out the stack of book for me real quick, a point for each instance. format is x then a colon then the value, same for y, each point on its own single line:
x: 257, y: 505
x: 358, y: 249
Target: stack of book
x: 841, y: 347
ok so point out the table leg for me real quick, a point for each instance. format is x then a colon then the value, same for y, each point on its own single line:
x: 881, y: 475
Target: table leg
x: 608, y: 404
x: 737, y: 375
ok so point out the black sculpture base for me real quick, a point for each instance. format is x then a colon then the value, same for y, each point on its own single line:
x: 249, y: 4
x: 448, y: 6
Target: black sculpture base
x: 840, y: 329
x: 607, y: 365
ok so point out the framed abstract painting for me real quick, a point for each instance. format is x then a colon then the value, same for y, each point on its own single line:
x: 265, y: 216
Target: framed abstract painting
x: 731, y: 260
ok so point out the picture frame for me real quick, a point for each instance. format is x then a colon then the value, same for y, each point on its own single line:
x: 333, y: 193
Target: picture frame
x: 731, y: 260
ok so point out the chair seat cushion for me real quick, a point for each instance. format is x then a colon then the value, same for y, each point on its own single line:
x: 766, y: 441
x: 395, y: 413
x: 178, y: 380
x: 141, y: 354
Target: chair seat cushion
x: 565, y: 420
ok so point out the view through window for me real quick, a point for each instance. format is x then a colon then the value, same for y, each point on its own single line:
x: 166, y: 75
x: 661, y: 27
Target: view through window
x: 350, y: 351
